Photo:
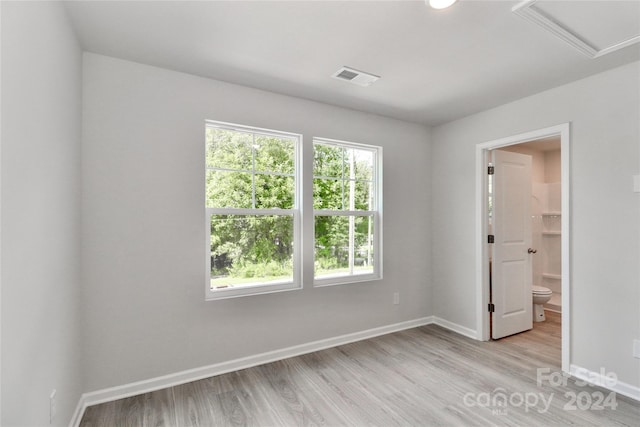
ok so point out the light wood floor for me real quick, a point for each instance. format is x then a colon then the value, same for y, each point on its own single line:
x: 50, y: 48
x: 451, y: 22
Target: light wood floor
x: 417, y: 377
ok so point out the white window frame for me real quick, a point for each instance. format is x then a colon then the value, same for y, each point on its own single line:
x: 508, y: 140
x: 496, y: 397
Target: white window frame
x: 258, y: 289
x: 375, y: 212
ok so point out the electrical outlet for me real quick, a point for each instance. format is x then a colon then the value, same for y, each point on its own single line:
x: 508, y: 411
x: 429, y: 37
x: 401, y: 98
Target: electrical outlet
x: 52, y: 406
x: 396, y: 298
x: 636, y: 349
x: 636, y: 183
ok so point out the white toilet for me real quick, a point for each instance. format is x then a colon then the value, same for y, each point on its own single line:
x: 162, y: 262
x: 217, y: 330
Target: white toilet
x: 541, y: 296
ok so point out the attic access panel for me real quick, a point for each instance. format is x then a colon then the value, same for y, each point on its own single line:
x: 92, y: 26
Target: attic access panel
x: 595, y: 28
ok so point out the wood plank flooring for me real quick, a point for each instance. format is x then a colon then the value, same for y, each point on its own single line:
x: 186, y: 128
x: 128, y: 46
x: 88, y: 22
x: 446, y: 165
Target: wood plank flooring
x: 417, y: 377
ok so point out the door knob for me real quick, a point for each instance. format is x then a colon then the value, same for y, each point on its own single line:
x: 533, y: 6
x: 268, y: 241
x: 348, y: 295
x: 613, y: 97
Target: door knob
x: 532, y: 251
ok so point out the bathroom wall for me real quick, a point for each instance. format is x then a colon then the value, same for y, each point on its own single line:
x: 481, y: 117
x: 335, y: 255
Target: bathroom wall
x: 550, y: 247
x: 552, y: 166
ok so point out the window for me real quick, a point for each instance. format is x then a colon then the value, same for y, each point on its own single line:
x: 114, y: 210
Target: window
x: 253, y: 216
x: 346, y: 202
x: 252, y: 210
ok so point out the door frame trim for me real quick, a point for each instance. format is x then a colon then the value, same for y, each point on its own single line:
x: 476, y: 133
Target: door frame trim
x: 482, y: 254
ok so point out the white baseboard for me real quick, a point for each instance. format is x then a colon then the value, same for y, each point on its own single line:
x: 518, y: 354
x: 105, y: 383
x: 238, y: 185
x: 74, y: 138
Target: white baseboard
x: 462, y: 330
x: 78, y: 413
x: 158, y: 383
x: 600, y: 379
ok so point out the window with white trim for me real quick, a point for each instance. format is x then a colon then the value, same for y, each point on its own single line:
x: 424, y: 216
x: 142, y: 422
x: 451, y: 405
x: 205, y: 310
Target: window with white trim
x: 252, y: 210
x: 347, y: 221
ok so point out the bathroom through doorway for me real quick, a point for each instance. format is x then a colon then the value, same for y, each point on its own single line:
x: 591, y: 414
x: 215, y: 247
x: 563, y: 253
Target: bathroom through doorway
x: 538, y: 270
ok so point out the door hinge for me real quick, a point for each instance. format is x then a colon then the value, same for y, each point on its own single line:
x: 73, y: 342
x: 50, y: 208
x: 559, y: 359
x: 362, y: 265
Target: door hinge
x: 491, y: 170
x: 492, y: 308
x: 491, y: 238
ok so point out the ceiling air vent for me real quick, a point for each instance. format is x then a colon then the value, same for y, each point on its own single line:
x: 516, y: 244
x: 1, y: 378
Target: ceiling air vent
x: 354, y: 76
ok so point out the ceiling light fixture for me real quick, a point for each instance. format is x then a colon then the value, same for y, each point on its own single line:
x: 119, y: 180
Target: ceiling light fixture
x: 441, y: 4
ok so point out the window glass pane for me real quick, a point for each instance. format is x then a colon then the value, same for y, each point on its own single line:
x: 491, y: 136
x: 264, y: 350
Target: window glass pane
x: 352, y: 170
x: 251, y: 250
x: 343, y: 246
x: 363, y: 244
x: 228, y: 189
x: 363, y: 195
x: 363, y: 160
x: 327, y: 194
x: 358, y: 164
x: 274, y: 154
x: 274, y: 191
x: 328, y: 161
x: 331, y: 244
x: 229, y: 149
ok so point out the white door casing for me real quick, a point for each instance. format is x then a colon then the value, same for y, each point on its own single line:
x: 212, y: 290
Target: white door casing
x: 511, y: 262
x: 482, y: 149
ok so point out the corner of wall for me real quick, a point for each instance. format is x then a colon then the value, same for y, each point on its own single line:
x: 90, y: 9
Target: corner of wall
x: 41, y: 143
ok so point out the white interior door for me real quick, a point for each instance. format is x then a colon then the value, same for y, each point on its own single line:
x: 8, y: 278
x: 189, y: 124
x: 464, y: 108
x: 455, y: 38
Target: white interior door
x: 511, y: 262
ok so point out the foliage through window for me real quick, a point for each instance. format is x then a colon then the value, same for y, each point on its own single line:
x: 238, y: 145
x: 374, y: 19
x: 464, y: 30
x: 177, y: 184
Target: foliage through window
x: 253, y: 209
x: 251, y: 203
x: 346, y: 210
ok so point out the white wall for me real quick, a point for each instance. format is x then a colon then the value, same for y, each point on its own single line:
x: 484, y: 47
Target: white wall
x: 605, y: 244
x: 41, y: 83
x: 143, y: 226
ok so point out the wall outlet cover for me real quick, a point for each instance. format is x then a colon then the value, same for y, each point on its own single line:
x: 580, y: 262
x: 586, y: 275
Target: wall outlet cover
x: 636, y: 349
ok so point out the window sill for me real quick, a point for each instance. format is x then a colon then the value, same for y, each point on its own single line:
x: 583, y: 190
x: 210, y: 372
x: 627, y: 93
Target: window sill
x: 345, y: 280
x: 250, y: 291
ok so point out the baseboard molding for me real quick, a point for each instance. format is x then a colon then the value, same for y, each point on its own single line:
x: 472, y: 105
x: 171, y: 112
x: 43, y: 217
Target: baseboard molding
x: 78, y: 413
x: 158, y: 383
x: 597, y: 378
x: 462, y: 330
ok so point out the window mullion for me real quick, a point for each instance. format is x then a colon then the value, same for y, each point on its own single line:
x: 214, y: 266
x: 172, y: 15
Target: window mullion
x: 352, y: 207
x: 249, y: 211
x: 253, y: 171
x: 328, y: 212
x: 342, y: 178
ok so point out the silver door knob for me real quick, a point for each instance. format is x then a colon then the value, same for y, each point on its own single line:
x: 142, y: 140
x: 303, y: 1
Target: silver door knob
x: 532, y: 251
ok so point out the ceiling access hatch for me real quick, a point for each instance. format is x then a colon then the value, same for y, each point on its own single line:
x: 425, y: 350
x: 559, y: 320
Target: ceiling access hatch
x: 354, y: 76
x: 595, y: 28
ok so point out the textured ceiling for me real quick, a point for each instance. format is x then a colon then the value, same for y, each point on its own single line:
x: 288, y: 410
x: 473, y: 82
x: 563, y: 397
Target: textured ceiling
x: 436, y: 66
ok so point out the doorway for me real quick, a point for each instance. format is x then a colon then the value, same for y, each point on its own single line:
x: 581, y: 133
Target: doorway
x: 556, y: 223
